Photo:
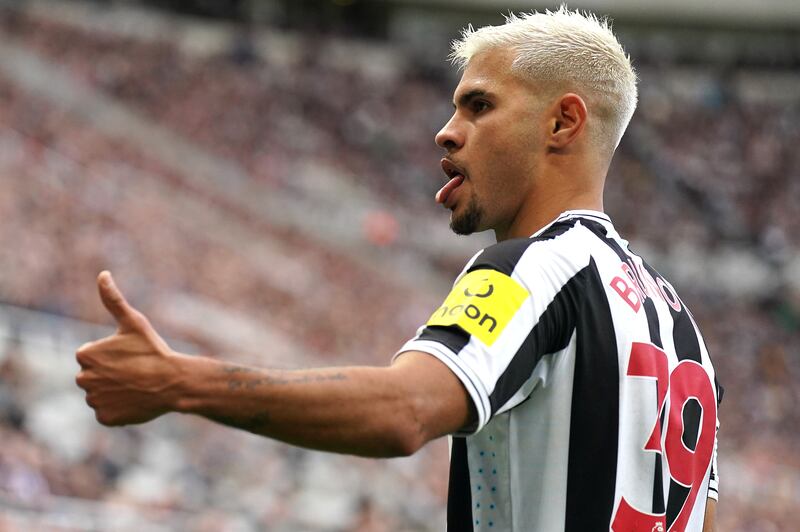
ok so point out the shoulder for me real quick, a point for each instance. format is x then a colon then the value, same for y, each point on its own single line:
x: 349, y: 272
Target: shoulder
x: 562, y: 244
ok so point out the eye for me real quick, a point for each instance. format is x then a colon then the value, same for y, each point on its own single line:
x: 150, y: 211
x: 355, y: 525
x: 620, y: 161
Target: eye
x: 479, y: 106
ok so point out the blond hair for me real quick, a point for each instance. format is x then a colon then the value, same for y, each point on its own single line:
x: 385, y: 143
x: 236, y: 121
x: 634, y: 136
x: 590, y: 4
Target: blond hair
x: 568, y: 50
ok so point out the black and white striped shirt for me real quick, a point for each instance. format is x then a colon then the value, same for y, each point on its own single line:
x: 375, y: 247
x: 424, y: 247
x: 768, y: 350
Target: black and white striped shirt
x: 595, y: 396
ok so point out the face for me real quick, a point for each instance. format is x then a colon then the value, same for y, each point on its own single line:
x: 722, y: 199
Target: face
x: 494, y: 139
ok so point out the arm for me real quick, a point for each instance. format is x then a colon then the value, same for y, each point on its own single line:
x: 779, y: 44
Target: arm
x: 367, y: 411
x: 710, y: 524
x: 133, y: 377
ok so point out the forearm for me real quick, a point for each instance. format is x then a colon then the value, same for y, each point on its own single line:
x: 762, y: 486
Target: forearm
x: 354, y: 410
x: 710, y: 524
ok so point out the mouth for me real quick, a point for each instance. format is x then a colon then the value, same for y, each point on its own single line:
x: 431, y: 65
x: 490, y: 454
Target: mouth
x: 456, y: 177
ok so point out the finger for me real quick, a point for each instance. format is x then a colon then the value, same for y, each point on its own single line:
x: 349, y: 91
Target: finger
x: 82, y: 357
x: 99, y: 345
x: 83, y: 354
x: 82, y: 379
x: 115, y: 302
x: 85, y: 347
x: 83, y: 351
x: 91, y: 401
x: 103, y: 417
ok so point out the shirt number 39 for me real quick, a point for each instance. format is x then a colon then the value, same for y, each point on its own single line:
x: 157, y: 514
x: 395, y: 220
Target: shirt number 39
x: 688, y: 443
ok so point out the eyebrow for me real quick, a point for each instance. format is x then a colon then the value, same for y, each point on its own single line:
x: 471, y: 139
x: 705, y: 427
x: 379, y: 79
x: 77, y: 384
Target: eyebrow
x: 465, y: 99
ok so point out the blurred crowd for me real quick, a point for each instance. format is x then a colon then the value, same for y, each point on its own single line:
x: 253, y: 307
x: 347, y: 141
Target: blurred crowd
x: 703, y: 169
x: 264, y: 112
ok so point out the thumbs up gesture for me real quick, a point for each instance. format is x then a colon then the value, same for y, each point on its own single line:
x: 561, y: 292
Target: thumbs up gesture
x: 130, y: 376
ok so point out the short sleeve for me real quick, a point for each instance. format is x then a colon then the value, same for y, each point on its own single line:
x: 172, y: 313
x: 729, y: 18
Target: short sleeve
x: 504, y: 313
x: 713, y: 480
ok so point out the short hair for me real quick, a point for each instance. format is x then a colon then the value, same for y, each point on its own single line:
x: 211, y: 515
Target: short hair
x: 573, y: 49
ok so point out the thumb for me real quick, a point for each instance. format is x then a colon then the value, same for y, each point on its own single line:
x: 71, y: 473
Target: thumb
x: 115, y: 302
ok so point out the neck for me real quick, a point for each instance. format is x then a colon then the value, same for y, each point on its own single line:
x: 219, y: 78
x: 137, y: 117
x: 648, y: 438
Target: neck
x: 564, y: 182
x: 543, y: 208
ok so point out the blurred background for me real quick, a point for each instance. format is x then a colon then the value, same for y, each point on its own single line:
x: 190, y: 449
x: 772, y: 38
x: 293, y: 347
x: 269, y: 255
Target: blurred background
x: 259, y: 177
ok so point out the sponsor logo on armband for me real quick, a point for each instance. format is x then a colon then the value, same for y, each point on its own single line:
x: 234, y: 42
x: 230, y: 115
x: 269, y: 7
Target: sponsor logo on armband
x: 482, y: 303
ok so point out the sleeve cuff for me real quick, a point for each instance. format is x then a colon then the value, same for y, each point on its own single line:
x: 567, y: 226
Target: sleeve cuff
x: 713, y: 489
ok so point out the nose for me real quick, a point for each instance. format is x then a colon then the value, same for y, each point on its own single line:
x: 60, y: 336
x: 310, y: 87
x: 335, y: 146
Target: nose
x: 451, y: 136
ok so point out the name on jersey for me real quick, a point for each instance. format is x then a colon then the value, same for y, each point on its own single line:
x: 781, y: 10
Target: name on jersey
x: 636, y: 284
x: 482, y: 303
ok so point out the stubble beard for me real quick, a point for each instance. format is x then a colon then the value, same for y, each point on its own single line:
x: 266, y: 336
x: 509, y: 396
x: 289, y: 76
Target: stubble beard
x: 469, y: 221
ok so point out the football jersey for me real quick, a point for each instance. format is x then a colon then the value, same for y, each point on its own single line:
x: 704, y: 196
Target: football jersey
x: 595, y: 396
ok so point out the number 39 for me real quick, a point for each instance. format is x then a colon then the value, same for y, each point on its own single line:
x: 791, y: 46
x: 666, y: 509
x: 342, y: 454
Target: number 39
x: 687, y: 467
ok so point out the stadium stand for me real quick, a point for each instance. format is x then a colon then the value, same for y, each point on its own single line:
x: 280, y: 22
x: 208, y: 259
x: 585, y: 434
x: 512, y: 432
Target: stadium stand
x: 283, y: 120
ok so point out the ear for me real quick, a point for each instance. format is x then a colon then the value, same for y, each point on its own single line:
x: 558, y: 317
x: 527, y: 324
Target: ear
x: 567, y: 121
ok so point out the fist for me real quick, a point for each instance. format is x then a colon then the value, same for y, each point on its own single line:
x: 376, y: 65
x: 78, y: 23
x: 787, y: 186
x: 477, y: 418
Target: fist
x: 130, y: 376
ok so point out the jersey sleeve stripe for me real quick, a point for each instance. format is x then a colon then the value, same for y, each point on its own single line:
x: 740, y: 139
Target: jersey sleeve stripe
x: 453, y: 337
x: 558, y: 317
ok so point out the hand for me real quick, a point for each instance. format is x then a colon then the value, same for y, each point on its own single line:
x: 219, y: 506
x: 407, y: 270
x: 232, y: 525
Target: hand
x: 130, y: 376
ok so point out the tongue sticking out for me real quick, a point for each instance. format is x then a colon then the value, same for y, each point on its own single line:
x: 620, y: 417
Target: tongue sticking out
x: 450, y: 186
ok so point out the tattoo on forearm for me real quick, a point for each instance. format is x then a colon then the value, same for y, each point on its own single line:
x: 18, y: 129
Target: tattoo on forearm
x: 250, y: 383
x: 238, y: 369
x: 244, y: 378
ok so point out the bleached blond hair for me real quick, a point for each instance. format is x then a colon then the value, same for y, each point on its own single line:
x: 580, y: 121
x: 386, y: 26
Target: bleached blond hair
x: 567, y: 50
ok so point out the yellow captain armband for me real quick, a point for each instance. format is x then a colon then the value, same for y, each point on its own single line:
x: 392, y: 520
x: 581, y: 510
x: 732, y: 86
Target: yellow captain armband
x: 482, y: 303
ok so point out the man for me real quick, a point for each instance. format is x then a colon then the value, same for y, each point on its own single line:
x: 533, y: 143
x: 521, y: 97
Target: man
x: 574, y: 380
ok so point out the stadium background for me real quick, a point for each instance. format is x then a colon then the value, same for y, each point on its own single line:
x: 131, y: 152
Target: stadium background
x: 259, y: 177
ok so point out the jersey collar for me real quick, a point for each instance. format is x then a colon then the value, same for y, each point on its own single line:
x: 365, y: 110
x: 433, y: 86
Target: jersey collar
x: 595, y: 215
